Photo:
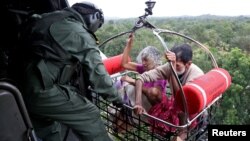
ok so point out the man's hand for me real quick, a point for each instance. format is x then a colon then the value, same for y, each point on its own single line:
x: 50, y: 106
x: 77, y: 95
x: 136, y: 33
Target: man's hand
x: 170, y: 56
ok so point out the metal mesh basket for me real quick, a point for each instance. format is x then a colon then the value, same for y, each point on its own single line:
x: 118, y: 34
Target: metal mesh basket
x: 133, y: 128
x: 123, y: 125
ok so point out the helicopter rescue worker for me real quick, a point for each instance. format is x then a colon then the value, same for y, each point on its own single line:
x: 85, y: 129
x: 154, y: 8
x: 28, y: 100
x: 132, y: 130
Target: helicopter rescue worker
x: 181, y: 58
x: 62, y: 61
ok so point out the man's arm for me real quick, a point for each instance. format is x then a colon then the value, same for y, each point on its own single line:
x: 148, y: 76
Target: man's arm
x: 98, y: 77
x: 84, y: 48
x: 82, y: 45
x: 159, y: 73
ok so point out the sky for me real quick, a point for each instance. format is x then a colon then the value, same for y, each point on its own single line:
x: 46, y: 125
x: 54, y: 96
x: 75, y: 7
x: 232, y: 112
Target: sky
x: 172, y: 8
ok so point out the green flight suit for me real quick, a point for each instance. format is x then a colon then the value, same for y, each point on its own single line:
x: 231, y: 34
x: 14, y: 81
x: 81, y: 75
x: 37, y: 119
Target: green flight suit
x: 51, y: 101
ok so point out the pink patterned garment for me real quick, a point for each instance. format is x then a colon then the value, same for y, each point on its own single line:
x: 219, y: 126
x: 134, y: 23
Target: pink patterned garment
x: 164, y: 110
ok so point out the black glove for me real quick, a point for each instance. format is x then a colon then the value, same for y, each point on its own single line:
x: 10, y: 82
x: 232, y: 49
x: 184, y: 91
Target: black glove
x: 118, y: 104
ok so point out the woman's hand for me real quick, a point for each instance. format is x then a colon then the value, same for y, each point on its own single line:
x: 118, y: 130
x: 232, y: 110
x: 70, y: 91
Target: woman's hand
x: 128, y: 79
x: 130, y: 40
x: 138, y: 109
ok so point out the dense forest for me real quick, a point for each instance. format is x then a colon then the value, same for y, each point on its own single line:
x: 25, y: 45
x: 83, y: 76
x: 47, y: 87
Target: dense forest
x: 228, y: 38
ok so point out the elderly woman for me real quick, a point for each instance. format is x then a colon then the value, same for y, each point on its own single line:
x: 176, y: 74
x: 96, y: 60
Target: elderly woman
x: 149, y: 58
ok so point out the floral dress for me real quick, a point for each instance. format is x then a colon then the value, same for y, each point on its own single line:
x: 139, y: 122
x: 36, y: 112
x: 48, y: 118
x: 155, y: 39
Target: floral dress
x: 165, y: 110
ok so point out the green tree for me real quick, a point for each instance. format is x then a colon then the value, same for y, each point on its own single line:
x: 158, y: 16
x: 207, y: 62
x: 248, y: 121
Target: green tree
x: 234, y: 108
